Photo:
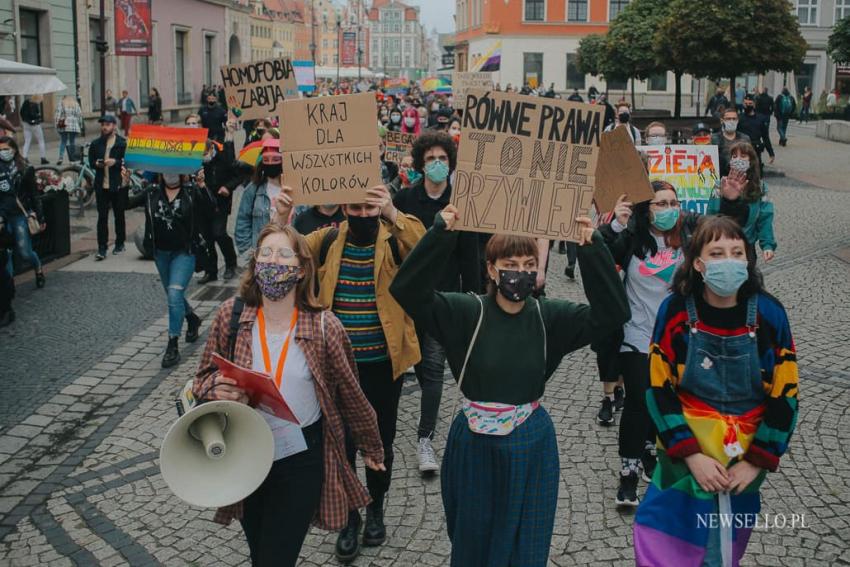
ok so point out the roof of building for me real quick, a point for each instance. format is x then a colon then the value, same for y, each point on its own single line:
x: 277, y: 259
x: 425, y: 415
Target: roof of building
x: 411, y: 14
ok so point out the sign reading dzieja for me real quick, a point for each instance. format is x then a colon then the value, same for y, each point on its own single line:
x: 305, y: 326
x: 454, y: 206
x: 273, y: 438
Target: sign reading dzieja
x: 463, y: 81
x: 526, y: 165
x: 330, y: 150
x: 258, y: 89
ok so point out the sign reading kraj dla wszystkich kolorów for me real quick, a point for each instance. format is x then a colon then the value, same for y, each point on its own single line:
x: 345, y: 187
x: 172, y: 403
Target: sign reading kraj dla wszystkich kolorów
x: 526, y: 165
x: 330, y: 150
x: 258, y: 89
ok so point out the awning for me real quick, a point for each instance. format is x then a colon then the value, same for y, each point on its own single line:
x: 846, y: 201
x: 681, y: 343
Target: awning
x: 22, y: 79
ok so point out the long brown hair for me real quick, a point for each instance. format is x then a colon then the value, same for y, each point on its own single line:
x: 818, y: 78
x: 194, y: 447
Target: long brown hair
x: 688, y: 281
x: 752, y: 192
x: 507, y: 246
x: 644, y: 240
x: 305, y: 296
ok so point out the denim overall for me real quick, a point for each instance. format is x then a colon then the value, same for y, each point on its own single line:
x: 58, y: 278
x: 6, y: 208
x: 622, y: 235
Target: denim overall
x: 725, y: 372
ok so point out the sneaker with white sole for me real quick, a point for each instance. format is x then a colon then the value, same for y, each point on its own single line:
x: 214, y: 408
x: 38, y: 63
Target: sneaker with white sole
x: 427, y: 457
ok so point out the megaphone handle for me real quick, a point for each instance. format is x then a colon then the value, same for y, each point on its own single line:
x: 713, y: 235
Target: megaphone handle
x: 207, y: 429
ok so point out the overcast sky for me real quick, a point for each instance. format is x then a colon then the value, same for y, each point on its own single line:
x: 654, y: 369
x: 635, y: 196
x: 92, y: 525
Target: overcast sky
x: 436, y: 14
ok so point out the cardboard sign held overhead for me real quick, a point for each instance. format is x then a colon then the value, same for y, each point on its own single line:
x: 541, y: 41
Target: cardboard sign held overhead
x: 330, y: 151
x: 526, y: 164
x: 258, y: 89
x: 619, y: 171
x: 464, y: 81
x: 398, y: 145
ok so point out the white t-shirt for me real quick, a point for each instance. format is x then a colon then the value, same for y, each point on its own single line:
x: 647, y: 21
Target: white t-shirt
x: 296, y: 385
x: 272, y: 190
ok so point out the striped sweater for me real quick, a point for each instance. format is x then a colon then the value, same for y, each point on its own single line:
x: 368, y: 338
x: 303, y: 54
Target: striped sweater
x: 778, y: 370
x: 355, y: 304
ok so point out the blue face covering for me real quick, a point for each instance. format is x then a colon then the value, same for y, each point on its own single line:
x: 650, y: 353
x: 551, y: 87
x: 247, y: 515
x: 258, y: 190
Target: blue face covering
x: 725, y: 277
x: 666, y: 219
x: 437, y: 171
x: 413, y: 176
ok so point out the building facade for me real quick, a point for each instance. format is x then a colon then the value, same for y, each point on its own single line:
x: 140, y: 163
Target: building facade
x: 396, y: 40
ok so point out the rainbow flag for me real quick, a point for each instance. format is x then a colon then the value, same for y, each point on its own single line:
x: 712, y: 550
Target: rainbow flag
x: 250, y: 154
x: 163, y: 149
x: 490, y: 61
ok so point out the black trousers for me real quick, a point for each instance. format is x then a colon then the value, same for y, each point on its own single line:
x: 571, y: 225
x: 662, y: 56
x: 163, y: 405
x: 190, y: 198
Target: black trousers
x: 383, y: 393
x: 607, y: 352
x: 115, y: 199
x: 7, y: 283
x: 636, y: 426
x: 277, y: 515
x: 217, y: 230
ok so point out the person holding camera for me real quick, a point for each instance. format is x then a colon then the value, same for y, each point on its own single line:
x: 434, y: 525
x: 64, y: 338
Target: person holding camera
x: 106, y: 155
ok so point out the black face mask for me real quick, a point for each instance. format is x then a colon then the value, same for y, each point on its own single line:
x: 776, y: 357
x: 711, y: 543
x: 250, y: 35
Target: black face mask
x: 210, y: 103
x: 624, y: 117
x: 515, y: 285
x: 749, y: 109
x: 363, y: 230
x: 273, y: 169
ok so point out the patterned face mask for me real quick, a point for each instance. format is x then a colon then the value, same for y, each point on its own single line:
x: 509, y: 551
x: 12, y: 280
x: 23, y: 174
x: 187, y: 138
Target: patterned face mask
x: 275, y: 280
x: 515, y: 285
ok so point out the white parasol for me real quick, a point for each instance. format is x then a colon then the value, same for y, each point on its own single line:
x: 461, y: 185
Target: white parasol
x: 23, y: 79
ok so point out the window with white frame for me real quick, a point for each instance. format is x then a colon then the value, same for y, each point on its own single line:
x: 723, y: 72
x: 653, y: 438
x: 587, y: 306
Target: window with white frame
x: 181, y: 45
x: 535, y: 10
x: 209, y: 58
x: 842, y: 10
x: 615, y: 7
x: 807, y: 12
x: 576, y: 10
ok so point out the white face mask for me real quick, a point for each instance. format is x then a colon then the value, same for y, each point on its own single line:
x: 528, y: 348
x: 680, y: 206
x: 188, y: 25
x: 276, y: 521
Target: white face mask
x: 409, y: 122
x: 730, y: 125
x: 739, y: 164
x: 656, y: 140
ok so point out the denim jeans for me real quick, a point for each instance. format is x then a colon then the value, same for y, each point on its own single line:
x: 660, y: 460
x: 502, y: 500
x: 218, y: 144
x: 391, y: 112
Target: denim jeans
x: 175, y: 271
x: 429, y: 373
x: 66, y: 139
x: 17, y: 226
x: 782, y: 128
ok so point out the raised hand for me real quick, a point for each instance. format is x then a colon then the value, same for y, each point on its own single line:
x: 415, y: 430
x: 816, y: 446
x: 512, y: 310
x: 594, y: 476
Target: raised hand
x: 449, y: 215
x: 379, y: 196
x: 585, y: 230
x: 623, y: 210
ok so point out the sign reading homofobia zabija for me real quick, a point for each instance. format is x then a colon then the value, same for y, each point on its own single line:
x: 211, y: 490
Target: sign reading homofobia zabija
x: 331, y: 149
x: 526, y: 165
x: 258, y: 89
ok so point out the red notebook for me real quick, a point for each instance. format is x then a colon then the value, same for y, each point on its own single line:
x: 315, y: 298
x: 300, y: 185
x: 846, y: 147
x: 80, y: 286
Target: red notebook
x: 260, y: 388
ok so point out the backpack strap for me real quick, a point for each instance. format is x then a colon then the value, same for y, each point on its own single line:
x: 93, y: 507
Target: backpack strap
x: 235, y: 315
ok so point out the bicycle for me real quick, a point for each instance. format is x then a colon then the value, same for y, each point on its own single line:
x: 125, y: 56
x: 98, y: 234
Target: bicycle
x: 81, y: 176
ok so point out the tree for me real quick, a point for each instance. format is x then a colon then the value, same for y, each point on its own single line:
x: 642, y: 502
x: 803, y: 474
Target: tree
x: 590, y: 55
x: 730, y: 38
x: 838, y: 46
x: 630, y: 38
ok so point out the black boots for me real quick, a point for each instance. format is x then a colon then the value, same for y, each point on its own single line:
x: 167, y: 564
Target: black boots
x: 348, y: 541
x: 375, y: 532
x: 193, y: 324
x: 172, y: 355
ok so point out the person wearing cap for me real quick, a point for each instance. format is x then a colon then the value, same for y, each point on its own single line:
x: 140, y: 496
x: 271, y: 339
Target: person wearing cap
x: 751, y: 124
x: 701, y: 134
x: 106, y: 156
x: 255, y: 209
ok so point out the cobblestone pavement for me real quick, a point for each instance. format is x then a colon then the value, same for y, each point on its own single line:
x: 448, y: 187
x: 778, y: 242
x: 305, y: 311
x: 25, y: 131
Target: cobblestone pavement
x: 79, y: 471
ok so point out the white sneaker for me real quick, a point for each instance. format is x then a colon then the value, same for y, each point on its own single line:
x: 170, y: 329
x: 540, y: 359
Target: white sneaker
x: 427, y: 457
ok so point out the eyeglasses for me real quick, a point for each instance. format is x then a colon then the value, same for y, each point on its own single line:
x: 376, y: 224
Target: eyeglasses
x: 268, y: 253
x: 665, y: 204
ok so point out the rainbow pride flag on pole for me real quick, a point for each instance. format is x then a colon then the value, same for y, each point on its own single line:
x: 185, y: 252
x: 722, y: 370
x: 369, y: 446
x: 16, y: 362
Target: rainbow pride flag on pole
x: 490, y: 61
x: 163, y: 149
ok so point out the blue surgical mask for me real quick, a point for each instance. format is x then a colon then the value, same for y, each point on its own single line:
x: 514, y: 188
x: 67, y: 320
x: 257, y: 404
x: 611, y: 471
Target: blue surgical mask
x: 437, y: 171
x: 665, y: 219
x: 725, y: 277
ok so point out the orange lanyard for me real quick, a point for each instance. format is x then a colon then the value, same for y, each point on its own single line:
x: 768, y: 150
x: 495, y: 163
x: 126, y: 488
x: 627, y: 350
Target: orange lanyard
x: 261, y: 320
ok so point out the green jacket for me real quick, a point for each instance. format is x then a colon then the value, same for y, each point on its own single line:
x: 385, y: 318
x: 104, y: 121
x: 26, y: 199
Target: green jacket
x: 507, y: 363
x: 759, y: 227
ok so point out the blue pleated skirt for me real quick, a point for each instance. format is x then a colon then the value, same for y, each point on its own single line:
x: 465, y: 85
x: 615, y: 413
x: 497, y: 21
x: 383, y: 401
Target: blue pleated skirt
x: 500, y: 493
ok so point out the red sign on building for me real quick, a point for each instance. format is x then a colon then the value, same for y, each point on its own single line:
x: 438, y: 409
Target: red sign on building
x: 133, y: 29
x: 349, y: 48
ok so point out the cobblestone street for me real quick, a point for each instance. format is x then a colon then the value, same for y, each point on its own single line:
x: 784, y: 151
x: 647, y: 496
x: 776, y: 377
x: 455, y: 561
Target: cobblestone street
x: 85, y: 406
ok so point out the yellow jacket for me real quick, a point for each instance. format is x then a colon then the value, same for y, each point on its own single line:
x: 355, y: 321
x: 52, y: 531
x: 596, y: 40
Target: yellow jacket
x: 402, y: 344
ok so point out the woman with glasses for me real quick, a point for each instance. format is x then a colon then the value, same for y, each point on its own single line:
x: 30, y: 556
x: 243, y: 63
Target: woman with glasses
x: 648, y: 242
x: 310, y: 479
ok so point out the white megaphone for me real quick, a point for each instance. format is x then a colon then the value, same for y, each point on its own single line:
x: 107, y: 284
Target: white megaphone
x: 216, y: 454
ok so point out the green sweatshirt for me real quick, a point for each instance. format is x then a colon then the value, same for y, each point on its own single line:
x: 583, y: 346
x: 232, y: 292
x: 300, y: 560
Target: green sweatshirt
x: 507, y: 364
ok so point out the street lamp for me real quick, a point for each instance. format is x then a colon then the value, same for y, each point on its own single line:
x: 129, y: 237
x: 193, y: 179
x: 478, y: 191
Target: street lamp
x: 338, y: 46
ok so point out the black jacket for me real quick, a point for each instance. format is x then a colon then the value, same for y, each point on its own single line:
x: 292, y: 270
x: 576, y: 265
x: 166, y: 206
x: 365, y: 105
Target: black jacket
x: 764, y: 104
x: 189, y: 209
x: 715, y: 103
x: 155, y: 109
x: 32, y: 113
x: 97, y: 150
x: 757, y: 129
x: 462, y: 272
x: 21, y: 184
x: 213, y: 118
x: 220, y: 172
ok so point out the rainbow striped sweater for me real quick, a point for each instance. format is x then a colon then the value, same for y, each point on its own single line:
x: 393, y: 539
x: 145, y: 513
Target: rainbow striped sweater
x: 671, y: 524
x: 355, y: 304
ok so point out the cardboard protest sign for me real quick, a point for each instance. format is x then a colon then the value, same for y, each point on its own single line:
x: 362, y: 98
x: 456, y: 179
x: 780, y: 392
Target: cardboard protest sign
x: 398, y: 145
x: 165, y: 150
x: 257, y: 89
x: 330, y: 152
x: 463, y: 81
x: 619, y: 171
x: 692, y: 170
x: 526, y: 164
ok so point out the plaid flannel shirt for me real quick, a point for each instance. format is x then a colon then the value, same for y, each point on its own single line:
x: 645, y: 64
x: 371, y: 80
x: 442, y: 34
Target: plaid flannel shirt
x: 340, y: 398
